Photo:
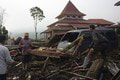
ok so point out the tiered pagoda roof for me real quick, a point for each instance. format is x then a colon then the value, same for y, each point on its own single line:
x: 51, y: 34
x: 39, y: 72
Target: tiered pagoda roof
x: 71, y: 18
x: 70, y: 9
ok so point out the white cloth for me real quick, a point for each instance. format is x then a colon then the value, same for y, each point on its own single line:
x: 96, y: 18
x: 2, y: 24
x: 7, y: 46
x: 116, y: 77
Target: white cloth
x: 5, y: 59
x: 86, y: 61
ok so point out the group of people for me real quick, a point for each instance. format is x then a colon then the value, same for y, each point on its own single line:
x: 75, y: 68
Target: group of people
x: 99, y: 44
x: 5, y: 57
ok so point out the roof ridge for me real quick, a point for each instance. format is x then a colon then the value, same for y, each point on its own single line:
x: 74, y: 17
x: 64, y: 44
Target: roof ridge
x: 70, y: 9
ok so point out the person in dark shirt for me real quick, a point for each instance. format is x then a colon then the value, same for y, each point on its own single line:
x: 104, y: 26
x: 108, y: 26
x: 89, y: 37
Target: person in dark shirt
x: 99, y: 44
x: 26, y: 45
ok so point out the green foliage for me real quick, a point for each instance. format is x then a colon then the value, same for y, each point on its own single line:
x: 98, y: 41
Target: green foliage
x: 3, y: 31
x: 37, y: 13
x: 2, y: 28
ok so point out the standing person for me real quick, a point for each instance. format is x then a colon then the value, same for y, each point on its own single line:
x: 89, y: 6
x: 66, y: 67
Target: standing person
x: 26, y: 45
x: 5, y: 58
x: 17, y: 41
x: 99, y: 44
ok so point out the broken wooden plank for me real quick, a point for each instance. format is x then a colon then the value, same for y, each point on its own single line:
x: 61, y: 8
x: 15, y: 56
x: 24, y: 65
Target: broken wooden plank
x: 116, y: 76
x: 77, y: 47
x: 75, y: 42
x: 78, y: 75
x: 112, y: 67
x: 47, y: 53
x: 45, y: 64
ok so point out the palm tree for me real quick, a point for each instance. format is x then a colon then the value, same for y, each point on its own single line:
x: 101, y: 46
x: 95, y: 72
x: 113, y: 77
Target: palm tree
x: 37, y: 15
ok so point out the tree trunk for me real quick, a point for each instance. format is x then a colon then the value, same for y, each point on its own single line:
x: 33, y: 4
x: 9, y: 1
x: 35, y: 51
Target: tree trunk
x: 35, y: 25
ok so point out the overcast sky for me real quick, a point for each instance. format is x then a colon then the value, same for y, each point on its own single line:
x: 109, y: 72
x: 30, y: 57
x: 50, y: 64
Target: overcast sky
x: 18, y: 19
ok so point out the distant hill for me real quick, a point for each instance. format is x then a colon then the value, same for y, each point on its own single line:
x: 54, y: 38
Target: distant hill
x: 32, y: 35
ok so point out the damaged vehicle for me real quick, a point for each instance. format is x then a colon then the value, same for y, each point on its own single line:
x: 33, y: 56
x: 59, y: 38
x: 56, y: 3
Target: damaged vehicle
x: 72, y: 35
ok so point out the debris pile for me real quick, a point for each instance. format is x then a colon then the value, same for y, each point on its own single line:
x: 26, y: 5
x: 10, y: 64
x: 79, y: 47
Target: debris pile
x: 51, y: 64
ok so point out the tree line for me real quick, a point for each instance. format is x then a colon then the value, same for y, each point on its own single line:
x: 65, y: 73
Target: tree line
x: 3, y: 29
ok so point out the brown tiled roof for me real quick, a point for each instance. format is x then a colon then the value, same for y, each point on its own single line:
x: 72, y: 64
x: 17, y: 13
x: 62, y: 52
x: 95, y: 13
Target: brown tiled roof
x: 66, y: 27
x: 60, y: 27
x: 80, y: 26
x: 113, y: 26
x: 46, y: 31
x: 68, y: 20
x: 117, y: 4
x: 70, y: 9
x: 60, y: 33
x: 99, y: 21
x: 55, y: 28
x: 76, y: 24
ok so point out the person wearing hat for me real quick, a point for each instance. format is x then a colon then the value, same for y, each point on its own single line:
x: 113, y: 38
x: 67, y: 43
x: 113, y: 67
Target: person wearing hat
x: 26, y: 45
x: 5, y: 58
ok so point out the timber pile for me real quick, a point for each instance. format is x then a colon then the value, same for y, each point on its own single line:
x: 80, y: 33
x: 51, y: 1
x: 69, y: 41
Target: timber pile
x: 47, y: 53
